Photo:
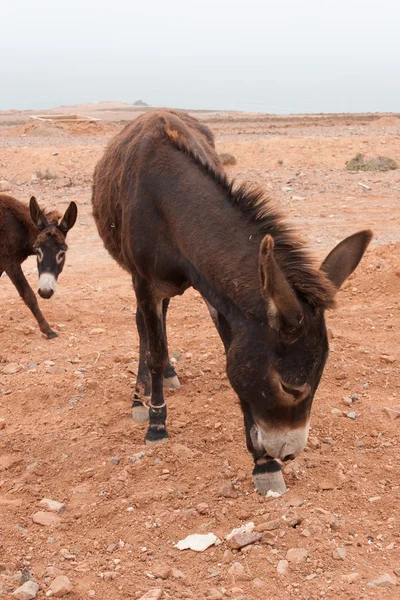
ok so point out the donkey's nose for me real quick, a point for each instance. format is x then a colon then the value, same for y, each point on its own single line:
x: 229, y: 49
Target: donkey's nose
x: 45, y: 293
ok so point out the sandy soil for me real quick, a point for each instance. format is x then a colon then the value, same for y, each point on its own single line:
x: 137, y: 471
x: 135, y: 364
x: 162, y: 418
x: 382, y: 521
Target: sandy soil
x: 68, y: 432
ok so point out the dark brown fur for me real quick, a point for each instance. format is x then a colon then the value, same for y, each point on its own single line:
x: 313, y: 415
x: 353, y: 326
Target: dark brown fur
x: 169, y: 215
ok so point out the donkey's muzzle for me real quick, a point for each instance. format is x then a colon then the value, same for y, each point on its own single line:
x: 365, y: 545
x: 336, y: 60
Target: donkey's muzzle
x: 47, y: 285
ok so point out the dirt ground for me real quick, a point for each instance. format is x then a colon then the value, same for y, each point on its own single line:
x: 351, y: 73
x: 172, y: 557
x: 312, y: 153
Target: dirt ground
x: 68, y: 433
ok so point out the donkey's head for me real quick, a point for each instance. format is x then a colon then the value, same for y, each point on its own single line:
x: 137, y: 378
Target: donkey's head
x: 50, y: 246
x: 276, y: 368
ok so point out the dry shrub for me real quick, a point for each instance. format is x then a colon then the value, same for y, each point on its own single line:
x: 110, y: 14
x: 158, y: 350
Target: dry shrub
x: 227, y: 159
x: 381, y: 163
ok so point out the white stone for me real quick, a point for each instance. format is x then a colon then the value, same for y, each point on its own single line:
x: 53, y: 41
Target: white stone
x: 52, y: 505
x: 27, y: 591
x: 282, y: 567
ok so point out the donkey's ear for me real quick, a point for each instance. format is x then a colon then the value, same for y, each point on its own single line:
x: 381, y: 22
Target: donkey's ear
x: 37, y: 215
x: 284, y: 309
x: 344, y: 258
x: 68, y: 220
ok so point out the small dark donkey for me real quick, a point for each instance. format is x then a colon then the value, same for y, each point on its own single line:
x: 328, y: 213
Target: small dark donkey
x: 29, y: 230
x: 168, y: 214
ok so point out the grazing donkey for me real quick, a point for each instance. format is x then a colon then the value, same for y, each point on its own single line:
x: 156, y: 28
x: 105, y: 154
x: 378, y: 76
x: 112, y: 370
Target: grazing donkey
x: 29, y: 230
x: 168, y: 214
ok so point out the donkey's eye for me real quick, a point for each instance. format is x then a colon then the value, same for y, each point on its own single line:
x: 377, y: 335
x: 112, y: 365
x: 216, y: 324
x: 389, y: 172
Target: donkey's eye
x: 39, y: 254
x: 60, y: 256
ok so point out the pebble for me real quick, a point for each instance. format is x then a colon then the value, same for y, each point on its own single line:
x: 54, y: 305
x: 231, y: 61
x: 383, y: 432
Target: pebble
x: 374, y: 499
x: 336, y: 411
x: 392, y: 413
x: 45, y: 518
x: 2, y: 424
x: 202, y: 508
x: 296, y: 555
x: 177, y: 574
x: 237, y: 570
x: 347, y: 401
x: 161, y: 571
x: 240, y: 540
x: 326, y: 485
x: 4, y: 186
x: 350, y: 577
x: 60, y: 586
x: 282, y: 567
x: 52, y: 505
x: 226, y: 490
x: 137, y: 456
x: 384, y: 580
x: 339, y: 554
x: 269, y: 525
x: 154, y: 594
x: 351, y: 415
x: 27, y: 591
x: 11, y: 369
x: 97, y: 331
x: 115, y: 460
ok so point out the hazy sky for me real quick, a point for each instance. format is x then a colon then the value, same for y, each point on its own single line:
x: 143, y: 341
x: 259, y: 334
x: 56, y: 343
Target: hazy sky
x: 274, y: 56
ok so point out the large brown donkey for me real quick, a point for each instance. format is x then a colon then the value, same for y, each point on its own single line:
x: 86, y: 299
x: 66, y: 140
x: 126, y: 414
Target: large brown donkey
x: 25, y: 231
x: 168, y: 214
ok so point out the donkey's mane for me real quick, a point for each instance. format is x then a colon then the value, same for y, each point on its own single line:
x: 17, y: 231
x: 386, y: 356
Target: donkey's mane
x: 259, y: 209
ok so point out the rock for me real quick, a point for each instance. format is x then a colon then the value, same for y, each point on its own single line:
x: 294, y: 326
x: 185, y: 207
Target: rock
x: 60, y: 586
x: 197, y: 542
x: 296, y: 556
x: 350, y: 577
x: 2, y: 424
x: 326, y: 485
x: 45, y: 518
x: 214, y: 594
x: 258, y: 583
x: 282, y: 567
x: 182, y: 451
x: 4, y: 186
x: 384, y: 580
x: 26, y: 575
x: 237, y: 570
x: 177, y: 574
x: 137, y: 457
x: 154, y: 594
x: 269, y: 525
x: 202, y: 508
x: 115, y: 460
x: 339, y: 554
x: 392, y: 413
x: 97, y: 331
x: 27, y: 591
x: 242, y: 539
x: 347, y: 401
x: 336, y: 411
x: 161, y: 571
x: 351, y: 415
x: 388, y: 359
x: 226, y: 490
x: 329, y: 518
x: 52, y: 505
x: 11, y: 369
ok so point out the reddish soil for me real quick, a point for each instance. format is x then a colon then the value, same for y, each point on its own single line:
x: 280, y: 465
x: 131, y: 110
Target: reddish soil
x: 68, y: 431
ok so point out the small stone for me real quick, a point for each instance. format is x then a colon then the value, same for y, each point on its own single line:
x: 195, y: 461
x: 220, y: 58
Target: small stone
x: 52, y: 505
x: 4, y: 186
x: 226, y: 490
x: 296, y: 555
x: 388, y: 359
x: 115, y: 460
x: 258, y: 583
x: 326, y: 485
x: 374, y: 499
x: 45, y: 518
x: 97, y: 331
x: 240, y: 540
x: 111, y: 547
x: 161, y: 571
x: 27, y: 591
x: 350, y: 577
x: 347, y: 401
x: 282, y: 567
x: 60, y: 586
x: 341, y: 376
x: 2, y: 424
x: 336, y: 411
x: 351, y: 415
x: 154, y: 594
x: 237, y: 570
x: 202, y: 508
x: 384, y: 580
x: 339, y: 554
x: 392, y: 413
x: 269, y: 525
x: 177, y: 574
x: 11, y: 369
x: 137, y: 457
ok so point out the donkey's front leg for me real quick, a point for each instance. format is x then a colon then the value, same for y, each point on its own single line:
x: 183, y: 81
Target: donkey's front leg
x: 157, y: 359
x: 17, y: 276
x: 267, y: 473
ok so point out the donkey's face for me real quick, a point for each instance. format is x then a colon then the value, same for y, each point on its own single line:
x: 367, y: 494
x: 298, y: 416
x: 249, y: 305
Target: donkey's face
x: 50, y: 245
x: 276, y: 369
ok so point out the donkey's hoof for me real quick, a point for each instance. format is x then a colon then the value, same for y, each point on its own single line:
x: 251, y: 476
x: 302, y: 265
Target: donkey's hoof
x: 172, y: 382
x: 269, y: 480
x: 140, y: 412
x: 155, y: 436
x: 51, y: 335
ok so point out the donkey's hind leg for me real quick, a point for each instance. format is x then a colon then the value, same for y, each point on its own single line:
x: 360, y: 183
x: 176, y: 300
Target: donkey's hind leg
x: 140, y: 412
x: 151, y: 310
x: 170, y: 377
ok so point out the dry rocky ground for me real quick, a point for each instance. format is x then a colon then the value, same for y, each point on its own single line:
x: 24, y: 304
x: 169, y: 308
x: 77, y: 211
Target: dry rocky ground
x: 66, y: 432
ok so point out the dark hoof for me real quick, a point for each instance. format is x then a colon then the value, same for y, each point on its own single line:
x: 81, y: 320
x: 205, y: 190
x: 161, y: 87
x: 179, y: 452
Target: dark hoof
x: 155, y: 436
x: 51, y: 335
x: 172, y: 382
x: 268, y: 477
x: 140, y: 412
